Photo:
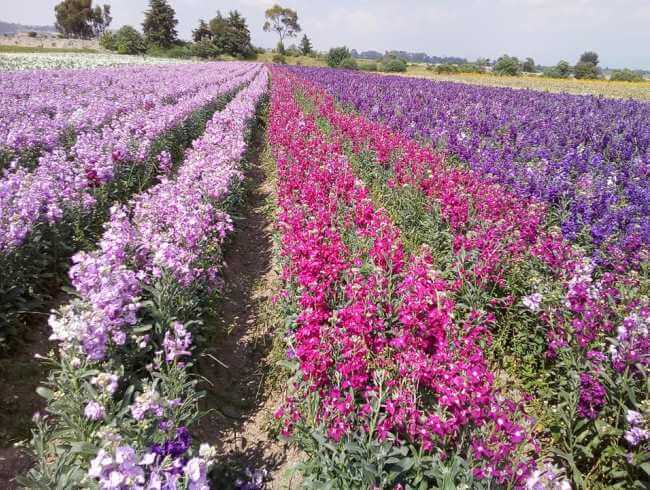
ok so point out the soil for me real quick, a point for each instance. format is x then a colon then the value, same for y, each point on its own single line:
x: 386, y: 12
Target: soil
x: 240, y: 401
x: 20, y: 374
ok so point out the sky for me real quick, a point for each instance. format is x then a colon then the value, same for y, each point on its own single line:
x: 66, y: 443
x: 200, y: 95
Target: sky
x: 546, y: 30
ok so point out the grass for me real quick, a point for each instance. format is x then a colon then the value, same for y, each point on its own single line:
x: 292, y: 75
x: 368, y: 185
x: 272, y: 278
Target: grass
x: 293, y: 60
x: 605, y: 88
x: 29, y: 49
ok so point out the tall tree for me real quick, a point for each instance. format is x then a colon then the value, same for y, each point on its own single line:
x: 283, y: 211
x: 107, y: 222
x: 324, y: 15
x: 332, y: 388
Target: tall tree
x: 101, y: 19
x: 201, y: 32
x: 305, y: 45
x: 507, y: 65
x: 587, y: 67
x: 237, y: 39
x: 159, y: 24
x: 284, y: 21
x: 529, y: 65
x: 79, y: 19
x: 226, y: 35
x: 589, y: 57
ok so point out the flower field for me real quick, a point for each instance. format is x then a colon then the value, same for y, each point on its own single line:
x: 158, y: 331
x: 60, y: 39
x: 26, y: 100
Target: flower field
x: 603, y: 88
x: 460, y: 293
x: 48, y: 61
x: 452, y: 320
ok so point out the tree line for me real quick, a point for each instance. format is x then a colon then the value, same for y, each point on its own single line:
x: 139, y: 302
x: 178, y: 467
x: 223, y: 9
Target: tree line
x: 222, y: 35
x: 230, y: 35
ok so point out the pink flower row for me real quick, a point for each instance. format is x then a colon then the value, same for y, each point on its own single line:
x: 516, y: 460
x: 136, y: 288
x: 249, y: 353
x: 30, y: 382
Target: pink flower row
x: 378, y: 338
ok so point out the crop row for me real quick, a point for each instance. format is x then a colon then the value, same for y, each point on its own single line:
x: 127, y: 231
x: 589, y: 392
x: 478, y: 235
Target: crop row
x: 573, y: 336
x: 122, y: 393
x: 50, y: 61
x: 587, y: 157
x: 48, y: 212
x: 43, y: 108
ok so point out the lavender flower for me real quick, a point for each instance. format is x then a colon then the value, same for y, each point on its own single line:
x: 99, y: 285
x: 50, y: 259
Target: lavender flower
x: 94, y: 411
x: 532, y: 302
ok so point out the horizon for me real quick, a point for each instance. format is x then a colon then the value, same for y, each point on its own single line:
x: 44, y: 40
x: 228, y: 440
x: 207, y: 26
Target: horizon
x: 546, y: 30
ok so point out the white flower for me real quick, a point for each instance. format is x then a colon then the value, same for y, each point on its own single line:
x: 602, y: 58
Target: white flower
x: 533, y: 302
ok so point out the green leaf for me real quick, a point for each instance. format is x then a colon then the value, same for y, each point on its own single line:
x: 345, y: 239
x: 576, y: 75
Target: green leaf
x: 83, y: 448
x: 45, y: 392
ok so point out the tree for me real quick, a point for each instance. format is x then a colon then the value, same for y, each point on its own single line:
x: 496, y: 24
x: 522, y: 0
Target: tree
x: 107, y: 41
x: 205, y: 48
x: 563, y: 69
x: 129, y: 41
x: 589, y: 57
x: 225, y: 35
x: 626, y: 75
x: 587, y: 67
x: 507, y: 65
x: 529, y: 66
x: 100, y: 20
x: 393, y: 64
x: 284, y: 21
x: 235, y: 37
x: 305, y: 46
x: 336, y: 56
x: 78, y: 19
x: 159, y: 24
x: 201, y: 32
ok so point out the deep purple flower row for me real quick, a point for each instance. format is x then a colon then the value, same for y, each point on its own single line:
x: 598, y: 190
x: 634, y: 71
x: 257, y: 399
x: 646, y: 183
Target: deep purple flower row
x: 589, y: 157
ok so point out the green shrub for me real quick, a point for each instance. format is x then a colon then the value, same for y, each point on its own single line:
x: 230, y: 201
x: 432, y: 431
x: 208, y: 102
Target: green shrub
x: 107, y: 41
x: 394, y: 65
x: 129, y: 41
x: 626, y: 75
x: 204, y: 49
x: 508, y: 66
x: 586, y: 70
x: 32, y: 34
x: 561, y: 70
x: 369, y: 66
x: 349, y: 64
x: 336, y: 56
x: 447, y: 68
x: 180, y: 52
x: 279, y: 59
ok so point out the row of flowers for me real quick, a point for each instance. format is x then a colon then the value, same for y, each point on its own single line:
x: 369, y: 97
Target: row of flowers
x: 49, y: 212
x: 392, y: 384
x: 123, y: 388
x: 42, y: 109
x: 502, y: 258
x: 494, y: 237
x: 66, y: 178
x: 32, y: 62
x: 587, y: 157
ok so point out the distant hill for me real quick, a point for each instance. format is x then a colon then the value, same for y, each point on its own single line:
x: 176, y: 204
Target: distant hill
x: 11, y: 28
x: 410, y: 57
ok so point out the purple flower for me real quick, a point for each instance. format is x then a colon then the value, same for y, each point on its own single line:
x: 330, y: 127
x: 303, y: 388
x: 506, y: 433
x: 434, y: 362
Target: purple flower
x: 94, y: 411
x: 636, y: 435
x: 592, y: 396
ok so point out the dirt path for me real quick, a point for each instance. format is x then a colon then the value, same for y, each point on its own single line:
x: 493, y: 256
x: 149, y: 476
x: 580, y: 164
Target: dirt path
x: 238, y: 363
x: 20, y: 374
